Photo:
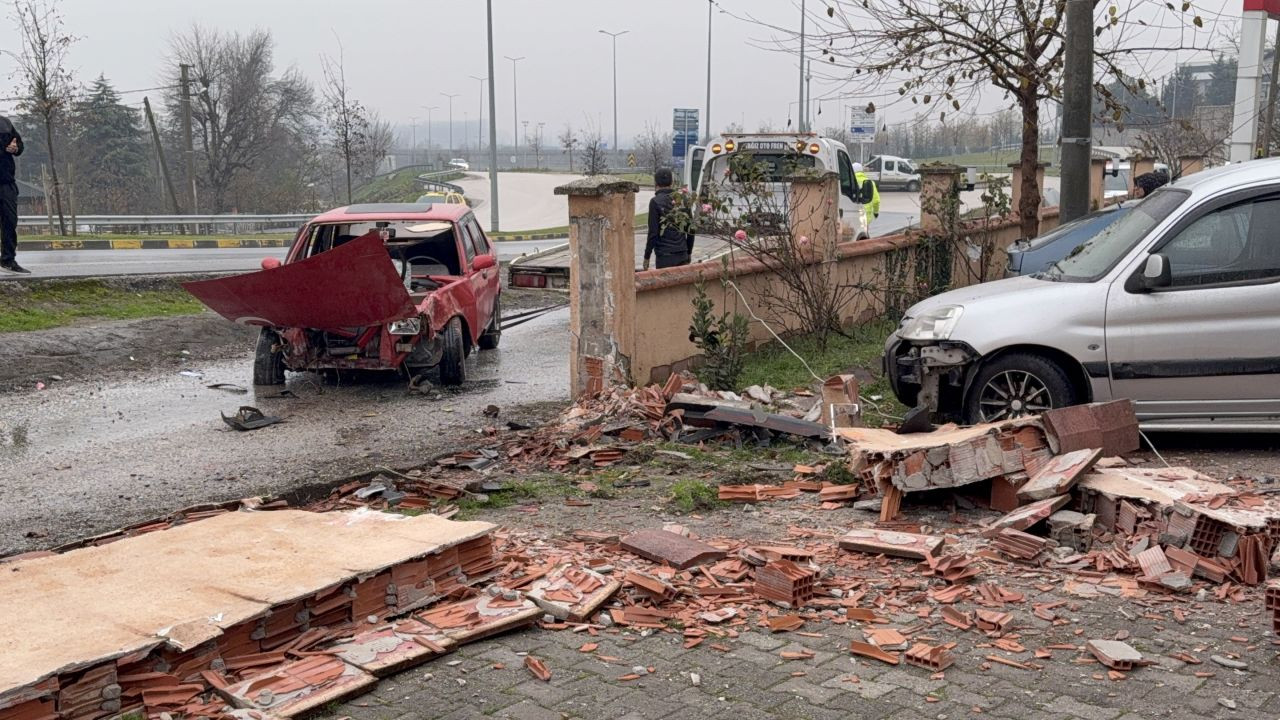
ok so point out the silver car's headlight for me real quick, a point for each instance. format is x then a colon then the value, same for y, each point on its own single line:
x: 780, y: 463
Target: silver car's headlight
x: 935, y: 324
x: 410, y: 326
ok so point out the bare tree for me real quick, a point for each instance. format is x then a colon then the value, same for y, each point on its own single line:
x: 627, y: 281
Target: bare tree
x: 943, y: 54
x: 1171, y: 140
x: 592, y: 153
x: 240, y: 108
x: 535, y: 143
x: 41, y: 68
x: 653, y: 147
x: 347, y: 119
x: 568, y: 141
x: 376, y: 147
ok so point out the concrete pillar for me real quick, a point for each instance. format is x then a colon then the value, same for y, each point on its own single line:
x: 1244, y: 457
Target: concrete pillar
x: 938, y: 182
x: 814, y: 209
x: 1139, y: 165
x: 1190, y: 164
x: 602, y: 282
x: 1015, y: 183
x: 1097, y: 183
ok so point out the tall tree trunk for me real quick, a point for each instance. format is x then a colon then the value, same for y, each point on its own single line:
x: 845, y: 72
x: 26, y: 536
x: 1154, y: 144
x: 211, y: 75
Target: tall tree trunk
x: 53, y: 175
x: 1029, y: 191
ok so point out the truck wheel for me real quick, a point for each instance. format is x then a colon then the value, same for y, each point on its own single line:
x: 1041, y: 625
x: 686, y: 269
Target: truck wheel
x: 492, y: 335
x: 453, y: 364
x: 913, y: 186
x: 1015, y: 385
x: 268, y: 362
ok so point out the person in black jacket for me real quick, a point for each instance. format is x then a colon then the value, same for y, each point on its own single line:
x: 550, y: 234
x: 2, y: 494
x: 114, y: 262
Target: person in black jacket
x: 672, y: 246
x: 10, y: 147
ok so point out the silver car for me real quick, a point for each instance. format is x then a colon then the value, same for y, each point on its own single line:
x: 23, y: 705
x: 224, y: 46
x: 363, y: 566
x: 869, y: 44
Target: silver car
x: 1175, y: 306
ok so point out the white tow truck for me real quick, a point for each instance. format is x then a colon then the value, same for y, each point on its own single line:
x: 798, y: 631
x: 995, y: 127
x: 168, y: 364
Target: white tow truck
x: 784, y: 153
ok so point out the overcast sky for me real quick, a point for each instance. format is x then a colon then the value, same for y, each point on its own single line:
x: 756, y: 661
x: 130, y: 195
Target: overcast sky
x: 401, y: 55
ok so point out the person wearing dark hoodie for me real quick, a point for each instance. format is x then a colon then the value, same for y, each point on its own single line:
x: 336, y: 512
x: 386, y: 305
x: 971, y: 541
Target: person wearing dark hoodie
x: 672, y: 245
x: 10, y: 148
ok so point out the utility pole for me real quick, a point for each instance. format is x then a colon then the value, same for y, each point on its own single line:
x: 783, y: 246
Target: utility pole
x: 615, y: 83
x: 480, y: 130
x: 706, y: 120
x: 800, y: 100
x: 164, y: 166
x: 493, y: 131
x: 515, y: 102
x: 451, y: 97
x: 1077, y: 110
x: 186, y: 136
x: 1271, y: 95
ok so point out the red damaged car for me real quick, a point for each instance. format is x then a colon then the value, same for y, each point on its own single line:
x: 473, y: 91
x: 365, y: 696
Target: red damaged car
x: 392, y: 286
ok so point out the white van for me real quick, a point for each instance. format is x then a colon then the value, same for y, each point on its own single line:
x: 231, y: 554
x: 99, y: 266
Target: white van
x: 893, y: 173
x: 785, y: 153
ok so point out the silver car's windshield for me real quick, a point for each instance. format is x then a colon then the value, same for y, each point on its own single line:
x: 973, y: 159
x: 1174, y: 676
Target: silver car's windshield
x: 1096, y: 256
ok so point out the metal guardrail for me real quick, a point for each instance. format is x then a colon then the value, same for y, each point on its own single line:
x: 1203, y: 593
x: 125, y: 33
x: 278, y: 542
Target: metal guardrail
x: 170, y: 224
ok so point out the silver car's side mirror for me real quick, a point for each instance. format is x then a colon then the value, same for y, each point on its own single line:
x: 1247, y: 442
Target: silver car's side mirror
x: 1156, y: 273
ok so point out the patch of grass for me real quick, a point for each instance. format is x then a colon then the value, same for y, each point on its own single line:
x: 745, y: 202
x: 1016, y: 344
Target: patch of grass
x: 395, y: 187
x: 64, y: 303
x: 838, y: 473
x: 862, y: 348
x: 156, y: 236
x: 692, y: 495
x: 995, y: 161
x: 539, y: 487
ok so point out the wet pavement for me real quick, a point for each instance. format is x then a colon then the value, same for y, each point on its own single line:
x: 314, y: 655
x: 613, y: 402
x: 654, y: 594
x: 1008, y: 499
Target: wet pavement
x: 81, y: 458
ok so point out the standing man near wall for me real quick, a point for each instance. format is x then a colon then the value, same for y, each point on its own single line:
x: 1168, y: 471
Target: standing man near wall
x: 10, y: 147
x: 672, y: 246
x: 873, y: 207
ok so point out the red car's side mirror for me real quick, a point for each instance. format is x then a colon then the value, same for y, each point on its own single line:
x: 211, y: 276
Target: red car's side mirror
x: 483, y: 262
x: 270, y: 263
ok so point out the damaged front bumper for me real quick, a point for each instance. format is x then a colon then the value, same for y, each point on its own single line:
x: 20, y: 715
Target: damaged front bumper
x: 931, y: 373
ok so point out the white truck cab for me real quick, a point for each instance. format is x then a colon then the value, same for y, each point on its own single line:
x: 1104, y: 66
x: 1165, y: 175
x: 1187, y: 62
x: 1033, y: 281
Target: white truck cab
x: 785, y: 152
x: 893, y: 173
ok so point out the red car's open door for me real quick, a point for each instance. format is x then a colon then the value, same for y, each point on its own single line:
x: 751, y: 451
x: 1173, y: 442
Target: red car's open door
x: 352, y: 285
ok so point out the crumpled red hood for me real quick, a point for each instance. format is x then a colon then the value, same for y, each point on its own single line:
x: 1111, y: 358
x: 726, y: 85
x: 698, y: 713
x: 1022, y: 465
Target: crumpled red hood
x: 353, y: 285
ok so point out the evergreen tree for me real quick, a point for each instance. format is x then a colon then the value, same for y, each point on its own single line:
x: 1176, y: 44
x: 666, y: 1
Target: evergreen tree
x: 1180, y: 95
x: 1221, y: 89
x: 112, y: 162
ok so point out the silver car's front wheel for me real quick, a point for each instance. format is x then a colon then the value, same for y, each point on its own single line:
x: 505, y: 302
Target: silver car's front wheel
x: 1015, y: 385
x: 1011, y: 394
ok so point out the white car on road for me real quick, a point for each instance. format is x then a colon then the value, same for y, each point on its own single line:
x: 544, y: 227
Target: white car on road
x: 460, y: 164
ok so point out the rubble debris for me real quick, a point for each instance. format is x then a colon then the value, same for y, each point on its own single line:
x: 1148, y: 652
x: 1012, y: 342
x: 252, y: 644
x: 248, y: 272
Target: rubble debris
x: 1111, y: 426
x: 675, y: 550
x: 537, y: 668
x: 873, y: 652
x: 954, y: 569
x: 571, y: 592
x: 706, y: 411
x: 992, y: 621
x: 786, y: 583
x: 785, y: 623
x: 887, y: 542
x: 249, y: 418
x: 950, y: 456
x: 956, y: 618
x: 1072, y: 529
x: 1028, y: 515
x: 929, y: 657
x: 841, y: 406
x: 1114, y: 654
x: 1227, y: 662
x: 1020, y: 545
x: 1058, y: 475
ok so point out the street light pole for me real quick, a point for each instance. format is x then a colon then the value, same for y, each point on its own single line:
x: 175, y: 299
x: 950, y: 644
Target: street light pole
x: 451, y: 97
x: 493, y: 129
x: 480, y: 132
x: 706, y: 120
x: 515, y: 102
x: 429, y: 108
x: 413, y: 149
x: 614, y: 36
x: 800, y: 103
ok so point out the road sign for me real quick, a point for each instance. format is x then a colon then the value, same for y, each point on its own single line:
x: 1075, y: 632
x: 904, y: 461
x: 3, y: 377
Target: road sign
x: 631, y: 160
x: 862, y: 125
x: 684, y: 126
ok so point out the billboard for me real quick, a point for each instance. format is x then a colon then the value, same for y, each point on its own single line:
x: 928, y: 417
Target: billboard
x: 684, y: 133
x: 862, y: 125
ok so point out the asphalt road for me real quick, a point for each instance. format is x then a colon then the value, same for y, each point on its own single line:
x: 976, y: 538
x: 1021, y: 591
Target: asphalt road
x: 83, y: 457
